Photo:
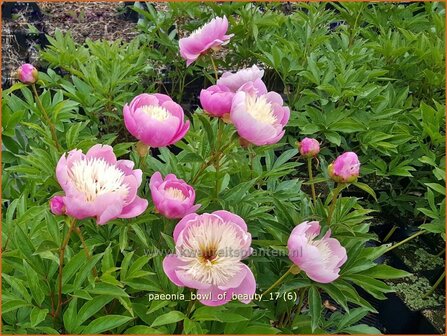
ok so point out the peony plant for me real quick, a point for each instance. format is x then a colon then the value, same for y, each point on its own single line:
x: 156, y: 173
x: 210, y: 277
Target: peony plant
x: 217, y: 229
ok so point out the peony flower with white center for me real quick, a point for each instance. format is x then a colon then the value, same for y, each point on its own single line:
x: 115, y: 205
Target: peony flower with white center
x: 172, y: 197
x: 155, y: 119
x: 212, y: 36
x: 320, y: 258
x: 209, y: 250
x: 259, y: 116
x: 98, y: 185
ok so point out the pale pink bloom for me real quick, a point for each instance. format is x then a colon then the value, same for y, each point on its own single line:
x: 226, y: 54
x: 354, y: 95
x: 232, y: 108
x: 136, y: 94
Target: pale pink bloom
x: 345, y: 168
x: 309, y: 147
x: 155, y: 119
x: 57, y: 205
x: 97, y: 185
x: 210, y: 36
x: 259, y: 116
x: 209, y: 249
x: 27, y: 74
x: 172, y: 197
x: 216, y: 100
x: 234, y: 81
x: 322, y: 258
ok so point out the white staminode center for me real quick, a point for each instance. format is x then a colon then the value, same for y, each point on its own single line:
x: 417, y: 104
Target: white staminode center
x: 156, y: 112
x: 175, y: 193
x: 212, y: 251
x: 95, y: 177
x: 260, y: 109
x: 322, y: 247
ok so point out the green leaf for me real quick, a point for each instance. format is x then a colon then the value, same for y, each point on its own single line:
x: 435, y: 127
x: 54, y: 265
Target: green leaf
x: 11, y: 305
x: 315, y: 307
x: 385, y: 272
x: 362, y: 329
x: 168, y: 318
x: 91, y: 307
x: 38, y: 315
x: 366, y: 188
x: 352, y: 317
x: 105, y: 323
x: 142, y: 330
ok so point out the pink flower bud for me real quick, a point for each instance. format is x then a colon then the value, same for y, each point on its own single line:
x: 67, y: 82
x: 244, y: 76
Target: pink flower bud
x: 216, y: 100
x: 57, y: 205
x: 322, y: 258
x: 172, y: 197
x: 309, y: 147
x: 345, y: 168
x: 27, y: 74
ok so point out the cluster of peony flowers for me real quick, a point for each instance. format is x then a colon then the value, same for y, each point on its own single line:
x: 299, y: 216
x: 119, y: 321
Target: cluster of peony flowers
x: 209, y: 248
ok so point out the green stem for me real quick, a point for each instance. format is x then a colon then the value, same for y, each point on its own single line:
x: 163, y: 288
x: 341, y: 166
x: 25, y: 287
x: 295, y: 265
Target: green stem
x: 85, y: 247
x: 388, y: 236
x: 440, y: 254
x: 438, y: 282
x: 311, y: 178
x: 405, y: 240
x: 61, y: 264
x: 336, y: 192
x: 281, y: 279
x: 216, y: 74
x: 252, y: 155
x: 46, y: 118
x: 207, y: 163
x: 218, y: 151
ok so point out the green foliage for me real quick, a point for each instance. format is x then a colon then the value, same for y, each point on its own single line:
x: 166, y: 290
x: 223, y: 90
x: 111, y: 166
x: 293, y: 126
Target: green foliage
x: 362, y: 77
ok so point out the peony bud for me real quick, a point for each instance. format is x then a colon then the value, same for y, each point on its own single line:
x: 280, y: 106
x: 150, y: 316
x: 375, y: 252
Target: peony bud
x: 309, y: 147
x: 27, y: 74
x: 345, y: 168
x: 57, y: 205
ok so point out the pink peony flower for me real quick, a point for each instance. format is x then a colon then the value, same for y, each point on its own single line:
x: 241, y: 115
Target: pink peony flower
x: 345, y: 168
x: 259, y: 116
x: 57, y: 205
x: 216, y: 100
x: 97, y: 185
x: 210, y: 36
x: 172, y: 197
x: 27, y: 74
x: 309, y: 147
x: 234, y: 81
x: 322, y: 258
x: 155, y: 120
x: 209, y: 250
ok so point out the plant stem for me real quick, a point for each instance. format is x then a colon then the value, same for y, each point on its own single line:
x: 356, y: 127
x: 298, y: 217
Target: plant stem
x: 207, y: 163
x: 86, y: 250
x: 437, y: 283
x: 216, y: 74
x: 336, y: 192
x: 61, y: 264
x: 217, y: 150
x: 46, y: 118
x: 277, y: 282
x: 388, y: 236
x: 440, y: 254
x: 405, y: 240
x: 311, y: 178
